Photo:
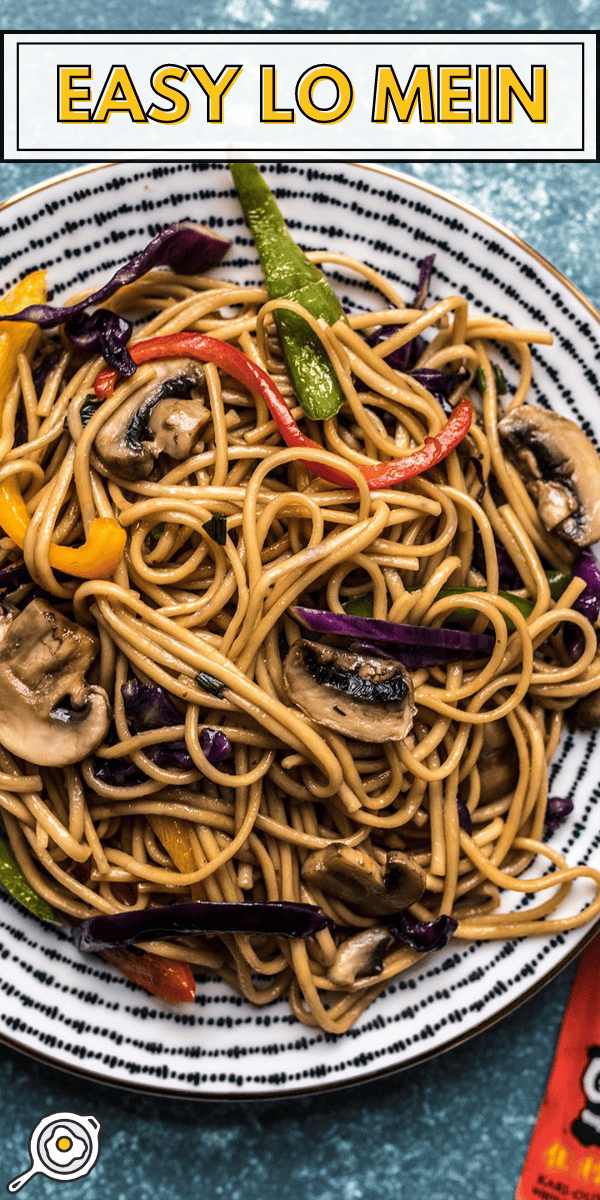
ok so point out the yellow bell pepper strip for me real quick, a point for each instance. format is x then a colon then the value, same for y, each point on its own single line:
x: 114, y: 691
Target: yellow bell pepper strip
x: 103, y: 550
x: 248, y: 373
x: 173, y: 833
x: 14, y: 339
x: 290, y: 276
x: 98, y: 558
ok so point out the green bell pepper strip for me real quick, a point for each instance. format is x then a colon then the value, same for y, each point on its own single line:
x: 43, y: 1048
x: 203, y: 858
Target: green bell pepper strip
x: 13, y: 879
x: 362, y: 606
x: 290, y: 276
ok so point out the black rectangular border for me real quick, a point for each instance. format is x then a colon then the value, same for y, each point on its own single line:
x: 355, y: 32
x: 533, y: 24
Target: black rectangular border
x: 428, y: 38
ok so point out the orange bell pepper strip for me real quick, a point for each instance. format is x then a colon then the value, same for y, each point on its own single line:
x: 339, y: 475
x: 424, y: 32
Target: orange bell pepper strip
x: 103, y: 550
x: 231, y: 360
x: 164, y: 977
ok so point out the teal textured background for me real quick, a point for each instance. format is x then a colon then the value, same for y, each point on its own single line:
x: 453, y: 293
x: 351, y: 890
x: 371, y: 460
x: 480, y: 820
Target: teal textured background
x: 458, y: 1125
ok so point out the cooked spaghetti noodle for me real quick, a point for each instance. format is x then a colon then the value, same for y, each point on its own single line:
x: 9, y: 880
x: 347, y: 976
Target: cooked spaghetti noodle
x: 183, y: 609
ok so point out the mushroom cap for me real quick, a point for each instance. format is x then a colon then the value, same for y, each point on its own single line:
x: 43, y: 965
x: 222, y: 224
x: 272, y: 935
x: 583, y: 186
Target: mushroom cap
x: 163, y: 416
x: 48, y: 714
x: 360, y: 695
x: 355, y: 877
x: 560, y: 468
x: 585, y: 714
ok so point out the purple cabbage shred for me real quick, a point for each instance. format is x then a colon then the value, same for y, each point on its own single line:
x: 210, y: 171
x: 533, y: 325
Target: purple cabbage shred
x: 103, y: 332
x: 558, y: 809
x: 424, y: 281
x: 185, y: 247
x: 149, y: 706
x: 464, y: 817
x: 43, y: 369
x: 422, y: 935
x: 215, y: 745
x: 587, y: 568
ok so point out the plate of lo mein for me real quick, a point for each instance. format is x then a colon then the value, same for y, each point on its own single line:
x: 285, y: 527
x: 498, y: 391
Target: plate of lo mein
x: 299, y: 673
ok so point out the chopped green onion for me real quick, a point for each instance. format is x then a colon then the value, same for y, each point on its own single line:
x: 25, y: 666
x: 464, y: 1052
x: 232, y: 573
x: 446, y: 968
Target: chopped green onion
x: 500, y: 380
x: 209, y: 683
x: 558, y: 581
x: 216, y: 528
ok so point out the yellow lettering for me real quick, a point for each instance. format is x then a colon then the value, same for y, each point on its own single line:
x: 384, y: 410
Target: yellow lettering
x: 269, y: 112
x: 69, y: 94
x: 484, y: 95
x: 449, y: 94
x: 215, y: 89
x: 180, y: 105
x: 344, y: 94
x: 119, y: 96
x: 534, y: 102
x: 419, y: 90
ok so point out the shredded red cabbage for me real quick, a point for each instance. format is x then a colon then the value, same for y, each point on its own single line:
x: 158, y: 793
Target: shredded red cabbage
x: 405, y: 356
x: 558, y: 808
x: 464, y: 817
x: 272, y: 917
x: 186, y: 247
x: 149, y: 706
x: 103, y: 332
x: 411, y: 658
x: 41, y: 372
x: 587, y: 568
x: 12, y: 577
x: 424, y: 281
x: 422, y: 935
x: 440, y: 383
x: 392, y: 633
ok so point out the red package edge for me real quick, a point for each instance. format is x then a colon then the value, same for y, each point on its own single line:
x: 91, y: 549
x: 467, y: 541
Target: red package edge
x: 563, y: 1159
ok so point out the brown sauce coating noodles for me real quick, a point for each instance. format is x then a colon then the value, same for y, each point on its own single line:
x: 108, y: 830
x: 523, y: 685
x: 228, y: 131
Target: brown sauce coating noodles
x: 181, y: 607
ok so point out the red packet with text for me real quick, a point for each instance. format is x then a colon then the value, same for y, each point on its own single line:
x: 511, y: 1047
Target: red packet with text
x: 563, y: 1160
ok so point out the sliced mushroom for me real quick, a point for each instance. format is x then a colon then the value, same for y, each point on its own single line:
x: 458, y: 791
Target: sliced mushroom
x: 360, y: 957
x: 164, y: 417
x: 48, y: 714
x: 355, y: 877
x: 560, y: 469
x: 357, y: 694
x: 585, y: 714
x: 498, y: 762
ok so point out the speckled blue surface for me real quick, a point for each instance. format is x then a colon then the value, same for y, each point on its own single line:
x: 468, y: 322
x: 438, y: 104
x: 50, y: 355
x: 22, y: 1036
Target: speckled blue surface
x: 458, y: 1125
x: 302, y: 14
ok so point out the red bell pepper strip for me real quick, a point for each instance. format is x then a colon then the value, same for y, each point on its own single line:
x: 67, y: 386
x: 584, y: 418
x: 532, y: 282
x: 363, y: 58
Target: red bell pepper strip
x: 240, y: 367
x: 164, y: 977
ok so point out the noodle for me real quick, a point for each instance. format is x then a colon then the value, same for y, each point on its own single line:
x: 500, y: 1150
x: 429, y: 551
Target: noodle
x: 182, y: 608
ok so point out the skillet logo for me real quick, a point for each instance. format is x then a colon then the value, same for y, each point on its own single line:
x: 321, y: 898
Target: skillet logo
x: 289, y: 95
x: 62, y: 1146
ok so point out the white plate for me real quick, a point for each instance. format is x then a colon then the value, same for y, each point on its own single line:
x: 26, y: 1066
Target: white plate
x: 75, y: 1012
